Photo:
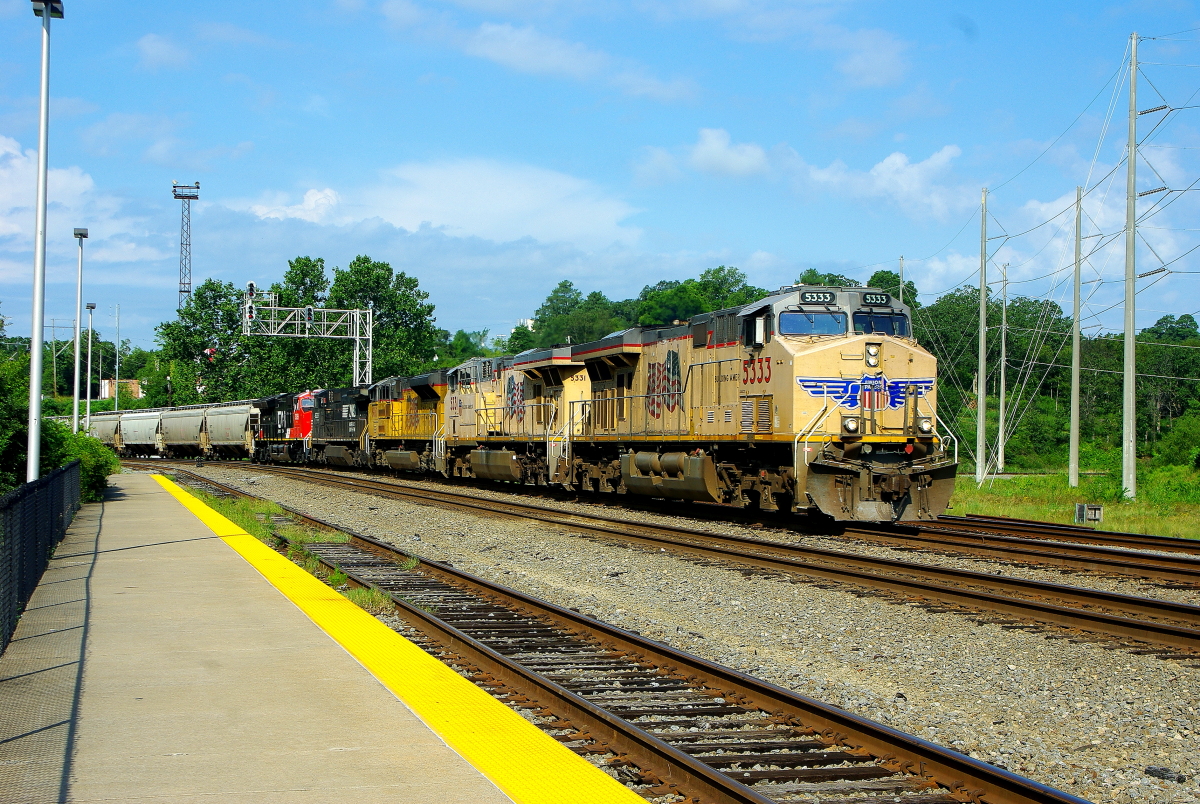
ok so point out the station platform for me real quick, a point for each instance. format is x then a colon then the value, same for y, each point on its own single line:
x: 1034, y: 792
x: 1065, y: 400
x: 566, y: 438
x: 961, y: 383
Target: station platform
x: 164, y: 657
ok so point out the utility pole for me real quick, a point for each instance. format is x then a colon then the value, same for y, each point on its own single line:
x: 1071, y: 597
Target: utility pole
x: 1003, y: 431
x: 187, y: 193
x: 53, y: 356
x: 80, y: 235
x: 902, y: 279
x: 981, y: 379
x: 117, y: 366
x: 87, y: 416
x: 1073, y: 459
x: 1129, y: 407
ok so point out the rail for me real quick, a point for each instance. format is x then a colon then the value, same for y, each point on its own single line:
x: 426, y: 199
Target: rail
x: 33, y: 519
x: 679, y: 724
x: 1144, y: 621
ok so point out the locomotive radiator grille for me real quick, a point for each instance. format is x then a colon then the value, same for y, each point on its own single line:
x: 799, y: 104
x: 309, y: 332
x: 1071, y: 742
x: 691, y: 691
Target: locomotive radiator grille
x: 756, y: 414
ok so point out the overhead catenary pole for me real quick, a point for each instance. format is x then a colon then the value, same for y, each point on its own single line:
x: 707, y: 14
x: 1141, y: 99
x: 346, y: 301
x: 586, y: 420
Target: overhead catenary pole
x: 1073, y: 457
x: 981, y: 377
x: 33, y: 449
x: 80, y: 235
x: 1002, y: 430
x: 1129, y: 406
x: 87, y: 415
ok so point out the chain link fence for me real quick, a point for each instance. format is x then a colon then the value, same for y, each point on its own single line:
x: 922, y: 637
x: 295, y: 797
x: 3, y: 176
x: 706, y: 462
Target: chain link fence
x: 33, y: 519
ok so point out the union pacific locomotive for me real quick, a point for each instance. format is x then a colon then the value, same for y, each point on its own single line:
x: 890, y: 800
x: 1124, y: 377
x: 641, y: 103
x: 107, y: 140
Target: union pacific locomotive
x: 813, y: 398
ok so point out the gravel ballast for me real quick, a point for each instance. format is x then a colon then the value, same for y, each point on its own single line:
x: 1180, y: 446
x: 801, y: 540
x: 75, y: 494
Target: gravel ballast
x: 1081, y: 717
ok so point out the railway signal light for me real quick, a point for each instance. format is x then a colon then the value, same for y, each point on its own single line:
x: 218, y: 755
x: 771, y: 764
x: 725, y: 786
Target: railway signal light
x: 249, y: 311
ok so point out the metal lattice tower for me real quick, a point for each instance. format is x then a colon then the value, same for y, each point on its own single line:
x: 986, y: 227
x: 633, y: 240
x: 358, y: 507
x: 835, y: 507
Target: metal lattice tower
x: 185, y: 193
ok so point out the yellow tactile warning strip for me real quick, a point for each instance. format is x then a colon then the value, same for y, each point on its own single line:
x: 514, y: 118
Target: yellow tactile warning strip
x: 524, y: 762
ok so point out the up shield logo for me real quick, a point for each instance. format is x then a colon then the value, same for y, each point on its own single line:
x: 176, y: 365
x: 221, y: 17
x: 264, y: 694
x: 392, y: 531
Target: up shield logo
x: 868, y: 393
x: 664, y: 385
x: 514, y: 399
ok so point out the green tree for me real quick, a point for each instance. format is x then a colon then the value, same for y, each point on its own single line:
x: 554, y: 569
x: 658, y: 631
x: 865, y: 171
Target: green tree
x: 814, y: 277
x: 889, y: 282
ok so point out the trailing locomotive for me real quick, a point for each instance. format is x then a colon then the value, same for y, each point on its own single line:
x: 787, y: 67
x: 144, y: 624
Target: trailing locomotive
x: 813, y: 398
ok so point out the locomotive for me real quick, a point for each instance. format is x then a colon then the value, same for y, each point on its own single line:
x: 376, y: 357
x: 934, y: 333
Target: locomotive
x: 810, y: 399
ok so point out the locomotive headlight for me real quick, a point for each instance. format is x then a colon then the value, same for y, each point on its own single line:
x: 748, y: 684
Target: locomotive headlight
x: 873, y: 350
x: 850, y: 424
x: 872, y: 361
x: 925, y: 426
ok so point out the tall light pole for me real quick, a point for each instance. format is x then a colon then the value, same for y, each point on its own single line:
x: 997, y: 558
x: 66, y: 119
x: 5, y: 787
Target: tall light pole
x: 46, y: 9
x: 87, y: 420
x: 80, y: 235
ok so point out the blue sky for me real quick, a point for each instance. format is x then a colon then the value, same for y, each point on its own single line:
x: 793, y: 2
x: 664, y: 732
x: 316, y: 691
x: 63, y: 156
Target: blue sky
x: 492, y: 148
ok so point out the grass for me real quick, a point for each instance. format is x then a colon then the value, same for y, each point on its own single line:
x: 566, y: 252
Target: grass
x: 255, y: 517
x: 1168, y: 501
x: 371, y: 600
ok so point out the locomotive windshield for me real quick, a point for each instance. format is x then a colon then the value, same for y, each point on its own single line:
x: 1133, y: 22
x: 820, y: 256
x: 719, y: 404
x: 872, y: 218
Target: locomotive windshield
x: 801, y: 323
x: 306, y: 403
x: 881, y: 323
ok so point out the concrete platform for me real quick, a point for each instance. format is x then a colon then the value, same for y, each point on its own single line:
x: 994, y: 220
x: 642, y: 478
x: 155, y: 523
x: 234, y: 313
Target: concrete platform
x: 155, y: 664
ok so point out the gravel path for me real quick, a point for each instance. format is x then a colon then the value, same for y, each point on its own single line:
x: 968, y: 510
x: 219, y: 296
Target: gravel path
x: 1080, y: 717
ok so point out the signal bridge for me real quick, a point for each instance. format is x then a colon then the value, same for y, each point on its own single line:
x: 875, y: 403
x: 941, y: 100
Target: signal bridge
x: 261, y: 315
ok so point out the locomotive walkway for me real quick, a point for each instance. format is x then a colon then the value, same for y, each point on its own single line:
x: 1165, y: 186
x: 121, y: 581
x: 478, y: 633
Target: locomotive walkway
x: 159, y: 661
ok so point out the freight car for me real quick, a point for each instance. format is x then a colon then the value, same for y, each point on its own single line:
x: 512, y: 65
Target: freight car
x: 224, y: 430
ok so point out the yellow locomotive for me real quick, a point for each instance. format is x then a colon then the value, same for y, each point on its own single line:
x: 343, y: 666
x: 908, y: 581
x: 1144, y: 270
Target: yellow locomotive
x: 811, y: 398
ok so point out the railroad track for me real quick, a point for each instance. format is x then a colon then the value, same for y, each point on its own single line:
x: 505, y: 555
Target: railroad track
x: 1050, y: 531
x: 668, y: 723
x: 1143, y: 625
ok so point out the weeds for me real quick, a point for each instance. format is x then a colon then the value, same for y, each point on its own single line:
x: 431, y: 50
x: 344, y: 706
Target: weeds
x: 255, y: 516
x: 410, y: 563
x: 371, y: 599
x: 1168, y: 502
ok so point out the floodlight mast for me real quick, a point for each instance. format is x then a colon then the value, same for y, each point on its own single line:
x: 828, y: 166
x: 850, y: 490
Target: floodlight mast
x: 262, y: 316
x: 187, y: 193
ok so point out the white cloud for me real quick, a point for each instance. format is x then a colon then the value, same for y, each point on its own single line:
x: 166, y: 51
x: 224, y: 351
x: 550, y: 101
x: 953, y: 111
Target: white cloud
x: 66, y: 190
x: 501, y: 202
x: 870, y: 57
x: 473, y: 198
x: 158, y: 51
x: 527, y: 51
x: 913, y: 186
x: 714, y: 153
x: 318, y: 206
x: 402, y: 13
x: 656, y: 166
x: 230, y: 34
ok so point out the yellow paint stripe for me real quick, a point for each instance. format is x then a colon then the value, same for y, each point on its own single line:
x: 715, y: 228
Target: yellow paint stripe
x: 525, y: 763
